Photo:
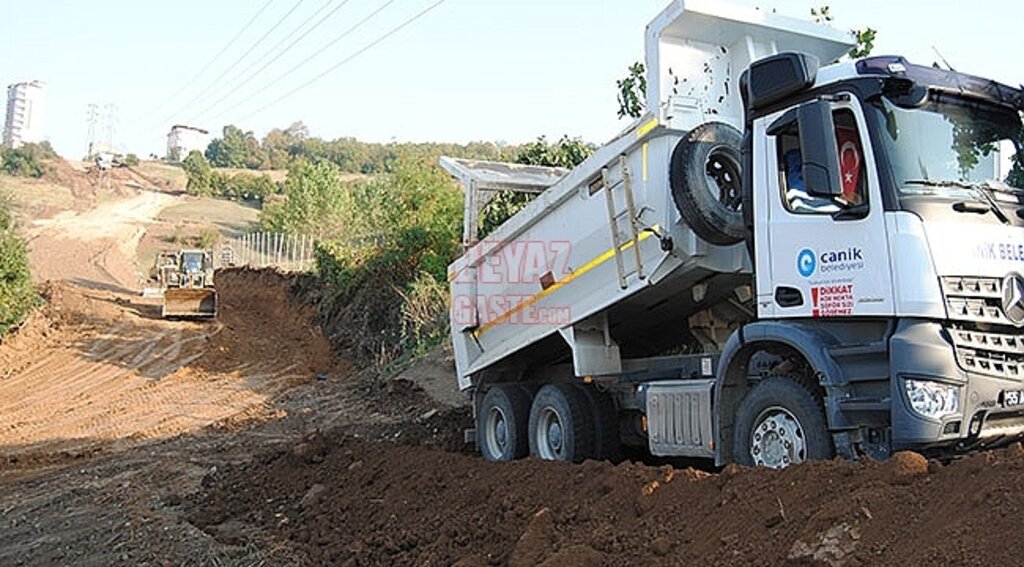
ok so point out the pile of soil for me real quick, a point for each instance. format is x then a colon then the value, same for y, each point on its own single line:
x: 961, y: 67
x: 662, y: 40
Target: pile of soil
x: 346, y: 500
x: 264, y: 320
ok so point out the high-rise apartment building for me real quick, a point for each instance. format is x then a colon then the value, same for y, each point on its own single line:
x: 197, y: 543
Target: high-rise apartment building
x: 26, y: 103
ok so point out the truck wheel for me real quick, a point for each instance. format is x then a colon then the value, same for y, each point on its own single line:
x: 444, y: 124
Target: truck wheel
x: 607, y: 444
x: 502, y: 423
x: 780, y: 423
x: 704, y: 175
x: 560, y: 425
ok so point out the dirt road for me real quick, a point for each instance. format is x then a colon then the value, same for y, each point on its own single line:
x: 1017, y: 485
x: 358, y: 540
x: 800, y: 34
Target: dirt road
x: 95, y: 248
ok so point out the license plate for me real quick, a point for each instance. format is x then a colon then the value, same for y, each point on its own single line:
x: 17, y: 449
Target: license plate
x: 1013, y: 398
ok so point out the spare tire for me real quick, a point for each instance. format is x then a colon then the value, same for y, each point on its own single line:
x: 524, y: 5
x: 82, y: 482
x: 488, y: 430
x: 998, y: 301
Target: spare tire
x: 704, y: 175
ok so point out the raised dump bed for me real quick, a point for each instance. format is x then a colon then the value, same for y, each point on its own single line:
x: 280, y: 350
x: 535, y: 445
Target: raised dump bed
x: 643, y: 236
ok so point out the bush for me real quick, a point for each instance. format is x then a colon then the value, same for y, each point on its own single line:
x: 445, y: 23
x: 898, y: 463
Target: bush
x: 131, y: 160
x: 28, y: 160
x: 425, y: 307
x: 17, y: 294
x: 386, y: 267
x: 205, y: 181
x: 208, y: 238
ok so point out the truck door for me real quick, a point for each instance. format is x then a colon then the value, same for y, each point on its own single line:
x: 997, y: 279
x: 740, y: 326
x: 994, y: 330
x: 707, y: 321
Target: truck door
x: 827, y: 256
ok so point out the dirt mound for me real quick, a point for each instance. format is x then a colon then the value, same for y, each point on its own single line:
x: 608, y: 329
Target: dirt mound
x: 81, y: 184
x: 265, y: 321
x: 86, y: 182
x: 95, y: 371
x: 368, y: 502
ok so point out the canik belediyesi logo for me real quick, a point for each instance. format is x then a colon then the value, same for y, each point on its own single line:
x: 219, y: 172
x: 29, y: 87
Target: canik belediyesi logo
x: 829, y: 262
x: 806, y: 262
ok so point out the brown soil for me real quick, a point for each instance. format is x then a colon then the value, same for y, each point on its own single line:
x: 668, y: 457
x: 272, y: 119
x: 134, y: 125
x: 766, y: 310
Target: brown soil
x: 365, y: 502
x: 128, y: 439
x: 287, y: 458
x: 98, y: 371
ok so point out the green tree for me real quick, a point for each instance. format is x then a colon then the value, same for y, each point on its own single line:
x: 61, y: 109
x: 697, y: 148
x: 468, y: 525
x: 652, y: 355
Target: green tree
x: 313, y: 203
x: 865, y: 36
x: 566, y: 152
x: 865, y: 42
x: 1015, y: 177
x: 201, y: 177
x: 231, y: 150
x: 17, y: 294
x: 632, y: 94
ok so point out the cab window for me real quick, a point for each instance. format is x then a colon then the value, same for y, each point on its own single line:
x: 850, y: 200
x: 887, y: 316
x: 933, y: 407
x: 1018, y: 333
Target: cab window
x: 851, y: 165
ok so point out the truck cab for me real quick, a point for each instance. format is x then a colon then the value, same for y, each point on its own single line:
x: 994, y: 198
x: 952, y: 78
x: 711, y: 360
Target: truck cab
x: 885, y: 224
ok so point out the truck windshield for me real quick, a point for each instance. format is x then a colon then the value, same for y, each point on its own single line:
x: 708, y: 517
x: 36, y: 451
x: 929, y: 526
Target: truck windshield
x: 193, y: 263
x: 954, y: 148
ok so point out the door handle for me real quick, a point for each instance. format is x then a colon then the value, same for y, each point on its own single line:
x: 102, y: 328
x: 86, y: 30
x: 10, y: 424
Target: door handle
x: 788, y: 296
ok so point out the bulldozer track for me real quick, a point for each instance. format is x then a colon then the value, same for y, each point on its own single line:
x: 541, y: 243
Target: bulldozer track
x: 114, y: 381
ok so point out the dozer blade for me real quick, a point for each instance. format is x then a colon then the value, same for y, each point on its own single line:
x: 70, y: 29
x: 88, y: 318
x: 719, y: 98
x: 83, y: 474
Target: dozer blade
x: 190, y: 302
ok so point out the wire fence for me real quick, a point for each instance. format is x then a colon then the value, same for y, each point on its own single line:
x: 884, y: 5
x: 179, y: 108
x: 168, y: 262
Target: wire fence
x: 286, y: 252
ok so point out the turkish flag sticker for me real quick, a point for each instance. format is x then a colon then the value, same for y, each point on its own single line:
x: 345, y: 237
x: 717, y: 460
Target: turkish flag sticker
x: 849, y: 162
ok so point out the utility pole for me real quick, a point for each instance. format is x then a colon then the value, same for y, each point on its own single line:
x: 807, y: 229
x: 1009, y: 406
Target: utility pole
x: 110, y: 115
x: 92, y: 115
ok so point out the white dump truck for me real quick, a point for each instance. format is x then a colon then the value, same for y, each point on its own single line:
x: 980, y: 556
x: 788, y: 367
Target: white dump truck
x: 787, y: 258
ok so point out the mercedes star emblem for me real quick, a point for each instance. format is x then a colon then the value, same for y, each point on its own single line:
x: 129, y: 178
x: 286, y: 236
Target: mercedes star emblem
x: 1013, y: 298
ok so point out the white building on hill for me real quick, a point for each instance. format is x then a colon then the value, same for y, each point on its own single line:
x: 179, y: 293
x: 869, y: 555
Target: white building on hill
x: 183, y: 139
x: 26, y: 103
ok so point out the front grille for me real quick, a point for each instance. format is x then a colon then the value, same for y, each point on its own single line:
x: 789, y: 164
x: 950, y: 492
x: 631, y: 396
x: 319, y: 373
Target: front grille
x: 995, y: 354
x: 985, y: 341
x: 978, y: 300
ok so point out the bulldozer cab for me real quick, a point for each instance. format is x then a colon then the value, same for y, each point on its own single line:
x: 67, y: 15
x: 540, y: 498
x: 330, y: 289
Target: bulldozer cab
x: 194, y: 262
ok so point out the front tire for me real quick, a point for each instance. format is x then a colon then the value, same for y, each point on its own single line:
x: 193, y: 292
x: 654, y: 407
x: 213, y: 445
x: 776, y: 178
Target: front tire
x: 502, y: 423
x: 780, y: 423
x: 560, y: 428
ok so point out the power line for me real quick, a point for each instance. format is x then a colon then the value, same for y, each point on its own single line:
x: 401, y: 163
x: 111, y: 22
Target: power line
x: 237, y: 87
x: 237, y: 61
x: 347, y: 59
x: 223, y: 50
x: 329, y: 44
x: 284, y: 39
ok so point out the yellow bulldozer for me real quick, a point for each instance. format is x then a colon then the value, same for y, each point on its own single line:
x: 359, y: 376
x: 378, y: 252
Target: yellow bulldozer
x: 186, y: 277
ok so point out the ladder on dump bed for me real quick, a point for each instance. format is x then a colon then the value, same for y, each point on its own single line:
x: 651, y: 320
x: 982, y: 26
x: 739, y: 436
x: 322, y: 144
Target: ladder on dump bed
x: 613, y: 178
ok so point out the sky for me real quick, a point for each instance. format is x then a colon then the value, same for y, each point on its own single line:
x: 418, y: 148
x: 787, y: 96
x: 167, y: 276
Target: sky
x: 494, y: 70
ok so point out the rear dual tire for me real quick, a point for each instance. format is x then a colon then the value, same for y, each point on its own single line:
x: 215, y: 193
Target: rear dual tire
x: 564, y: 422
x: 502, y: 423
x: 560, y: 424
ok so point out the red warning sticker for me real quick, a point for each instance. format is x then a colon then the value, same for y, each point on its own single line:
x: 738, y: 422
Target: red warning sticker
x: 832, y: 300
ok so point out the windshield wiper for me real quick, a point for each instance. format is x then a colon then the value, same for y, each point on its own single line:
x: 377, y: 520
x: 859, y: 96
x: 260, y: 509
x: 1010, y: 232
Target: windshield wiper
x: 982, y: 190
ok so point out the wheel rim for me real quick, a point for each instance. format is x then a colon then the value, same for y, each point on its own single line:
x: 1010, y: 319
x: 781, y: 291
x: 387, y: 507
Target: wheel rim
x: 723, y: 172
x: 777, y: 440
x: 496, y: 432
x: 550, y: 435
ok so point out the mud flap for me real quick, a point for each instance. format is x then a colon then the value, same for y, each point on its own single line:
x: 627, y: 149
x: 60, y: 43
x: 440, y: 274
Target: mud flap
x: 189, y: 302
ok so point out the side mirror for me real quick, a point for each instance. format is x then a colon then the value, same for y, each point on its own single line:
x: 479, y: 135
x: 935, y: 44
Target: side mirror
x: 818, y: 149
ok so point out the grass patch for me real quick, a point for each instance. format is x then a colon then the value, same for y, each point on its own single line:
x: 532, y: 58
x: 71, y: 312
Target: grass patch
x: 29, y: 197
x: 231, y: 218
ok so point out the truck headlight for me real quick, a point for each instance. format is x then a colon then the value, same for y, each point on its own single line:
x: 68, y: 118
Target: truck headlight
x: 933, y: 399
